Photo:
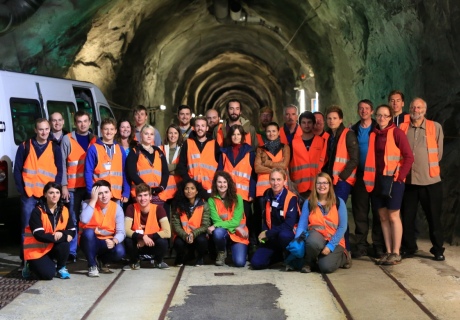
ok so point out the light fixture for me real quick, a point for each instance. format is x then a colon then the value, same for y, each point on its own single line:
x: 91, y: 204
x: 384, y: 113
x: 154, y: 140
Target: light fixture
x: 162, y: 107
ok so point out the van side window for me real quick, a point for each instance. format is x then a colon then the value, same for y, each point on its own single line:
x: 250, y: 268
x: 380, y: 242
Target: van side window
x: 24, y: 112
x: 85, y: 102
x: 105, y: 112
x: 67, y: 109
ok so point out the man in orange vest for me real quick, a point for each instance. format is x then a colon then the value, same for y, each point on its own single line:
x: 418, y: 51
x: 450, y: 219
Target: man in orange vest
x: 147, y: 230
x: 199, y: 156
x: 423, y: 184
x: 102, y: 229
x: 73, y: 147
x: 105, y: 159
x: 234, y: 117
x: 265, y: 117
x: 307, y: 155
x: 291, y: 128
x: 360, y: 198
x: 140, y: 120
x: 213, y: 119
x: 396, y: 102
x: 37, y: 162
x: 319, y: 125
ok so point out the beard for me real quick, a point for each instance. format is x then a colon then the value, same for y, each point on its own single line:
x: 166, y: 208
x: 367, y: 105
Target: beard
x: 234, y: 117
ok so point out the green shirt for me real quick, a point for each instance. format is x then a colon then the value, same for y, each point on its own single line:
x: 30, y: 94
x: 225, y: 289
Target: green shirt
x: 231, y: 224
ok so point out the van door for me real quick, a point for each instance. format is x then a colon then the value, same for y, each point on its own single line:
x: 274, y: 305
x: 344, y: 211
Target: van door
x: 85, y: 102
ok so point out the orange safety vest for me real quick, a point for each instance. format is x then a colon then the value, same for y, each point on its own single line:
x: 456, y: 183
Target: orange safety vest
x: 393, y: 160
x: 268, y: 209
x: 104, y: 225
x: 149, y: 173
x: 190, y: 225
x: 227, y: 214
x: 326, y: 225
x: 151, y: 226
x: 34, y: 249
x: 283, y: 137
x: 115, y: 175
x: 37, y: 172
x: 305, y: 165
x: 260, y: 139
x: 431, y: 145
x: 241, y: 174
x: 76, y: 163
x: 173, y: 180
x: 263, y: 179
x: 220, y: 137
x: 202, y: 166
x: 341, y: 159
x: 325, y: 135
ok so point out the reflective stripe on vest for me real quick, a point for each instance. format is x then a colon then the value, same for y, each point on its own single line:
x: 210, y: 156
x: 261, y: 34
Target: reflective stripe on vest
x: 227, y: 214
x: 326, y: 225
x: 194, y: 222
x: 305, y: 165
x: 268, y: 209
x: 241, y: 174
x: 76, y: 163
x: 104, y: 225
x: 173, y: 180
x: 151, y: 226
x: 341, y: 159
x: 263, y: 179
x: 115, y: 175
x: 202, y: 166
x: 149, y: 173
x: 37, y: 172
x: 283, y: 136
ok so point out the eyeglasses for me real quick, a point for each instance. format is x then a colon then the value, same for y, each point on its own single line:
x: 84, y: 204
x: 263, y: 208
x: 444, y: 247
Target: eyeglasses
x: 322, y: 183
x: 382, y: 116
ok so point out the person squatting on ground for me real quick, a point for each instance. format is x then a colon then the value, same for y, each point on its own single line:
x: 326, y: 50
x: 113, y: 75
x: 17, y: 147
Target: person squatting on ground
x: 228, y: 220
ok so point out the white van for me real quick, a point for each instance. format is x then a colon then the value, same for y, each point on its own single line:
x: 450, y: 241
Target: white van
x: 23, y: 99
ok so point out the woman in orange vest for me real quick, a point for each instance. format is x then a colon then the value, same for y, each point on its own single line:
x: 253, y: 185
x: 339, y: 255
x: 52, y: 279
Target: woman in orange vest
x: 147, y: 164
x: 280, y: 216
x: 389, y: 154
x: 171, y: 148
x: 126, y: 135
x: 190, y: 222
x: 47, y: 237
x: 238, y: 160
x: 229, y: 221
x: 342, y: 157
x: 324, y: 221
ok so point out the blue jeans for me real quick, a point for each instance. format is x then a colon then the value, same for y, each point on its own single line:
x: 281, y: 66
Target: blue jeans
x: 342, y: 190
x: 76, y: 197
x: 92, y: 247
x: 239, y: 250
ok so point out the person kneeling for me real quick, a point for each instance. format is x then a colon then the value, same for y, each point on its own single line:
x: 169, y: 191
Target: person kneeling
x: 47, y: 236
x: 102, y: 229
x: 147, y: 230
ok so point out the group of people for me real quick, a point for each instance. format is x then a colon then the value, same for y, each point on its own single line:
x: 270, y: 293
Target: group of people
x: 225, y: 186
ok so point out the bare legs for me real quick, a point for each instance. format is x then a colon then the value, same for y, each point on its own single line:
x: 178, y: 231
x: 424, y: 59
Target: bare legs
x: 391, y: 228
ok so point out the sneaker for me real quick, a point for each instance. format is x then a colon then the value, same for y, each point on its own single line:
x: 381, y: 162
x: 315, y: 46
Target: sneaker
x: 26, y: 271
x: 132, y: 266
x: 63, y: 273
x: 160, y: 265
x: 305, y: 269
x: 392, y: 259
x: 21, y: 266
x: 199, y: 262
x: 349, y: 262
x: 104, y: 268
x: 220, y: 260
x: 93, y: 272
x: 382, y: 259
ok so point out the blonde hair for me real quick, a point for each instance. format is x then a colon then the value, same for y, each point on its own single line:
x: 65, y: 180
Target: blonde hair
x: 330, y: 197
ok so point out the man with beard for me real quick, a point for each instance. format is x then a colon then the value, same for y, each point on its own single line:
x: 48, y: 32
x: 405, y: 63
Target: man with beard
x: 184, y: 115
x: 199, y: 156
x: 234, y: 117
x: 265, y: 117
x: 213, y: 119
x: 423, y: 183
x: 290, y: 128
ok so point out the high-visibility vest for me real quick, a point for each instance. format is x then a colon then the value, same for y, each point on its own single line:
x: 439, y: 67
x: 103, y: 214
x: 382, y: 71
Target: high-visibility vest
x: 115, y: 175
x: 151, y: 226
x: 220, y: 137
x: 104, y: 225
x: 76, y: 163
x: 326, y: 225
x: 202, y: 166
x: 149, y: 173
x: 194, y: 222
x: 173, y: 180
x: 268, y: 209
x: 283, y: 136
x: 34, y: 249
x: 392, y: 157
x: 431, y: 145
x: 305, y: 165
x: 341, y: 159
x: 263, y: 179
x: 325, y: 135
x: 227, y: 214
x: 37, y: 172
x: 241, y: 174
x: 260, y: 140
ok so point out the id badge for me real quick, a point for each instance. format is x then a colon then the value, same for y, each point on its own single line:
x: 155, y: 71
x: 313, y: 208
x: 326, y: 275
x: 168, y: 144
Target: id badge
x: 275, y: 204
x: 107, y: 166
x: 281, y: 213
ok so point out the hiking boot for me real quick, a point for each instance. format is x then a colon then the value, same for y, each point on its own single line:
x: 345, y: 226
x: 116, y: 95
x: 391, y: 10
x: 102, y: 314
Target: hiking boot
x: 132, y: 266
x: 349, y: 262
x: 160, y: 265
x: 289, y: 268
x: 383, y: 258
x: 63, y: 273
x: 93, y: 272
x: 103, y: 267
x: 305, y: 269
x: 392, y: 259
x: 220, y: 260
x: 26, y: 271
x: 199, y: 262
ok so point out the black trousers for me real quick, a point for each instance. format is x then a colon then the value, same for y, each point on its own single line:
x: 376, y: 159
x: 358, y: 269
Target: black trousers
x: 361, y: 204
x: 430, y: 197
x: 45, y: 267
x: 158, y: 250
x: 200, y: 244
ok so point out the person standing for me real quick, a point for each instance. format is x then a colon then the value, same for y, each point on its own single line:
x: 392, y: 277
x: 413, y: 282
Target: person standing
x: 213, y: 119
x: 57, y: 127
x: 291, y: 128
x: 126, y: 136
x: 265, y: 117
x: 396, y: 101
x: 140, y: 120
x: 184, y: 115
x: 423, y: 184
